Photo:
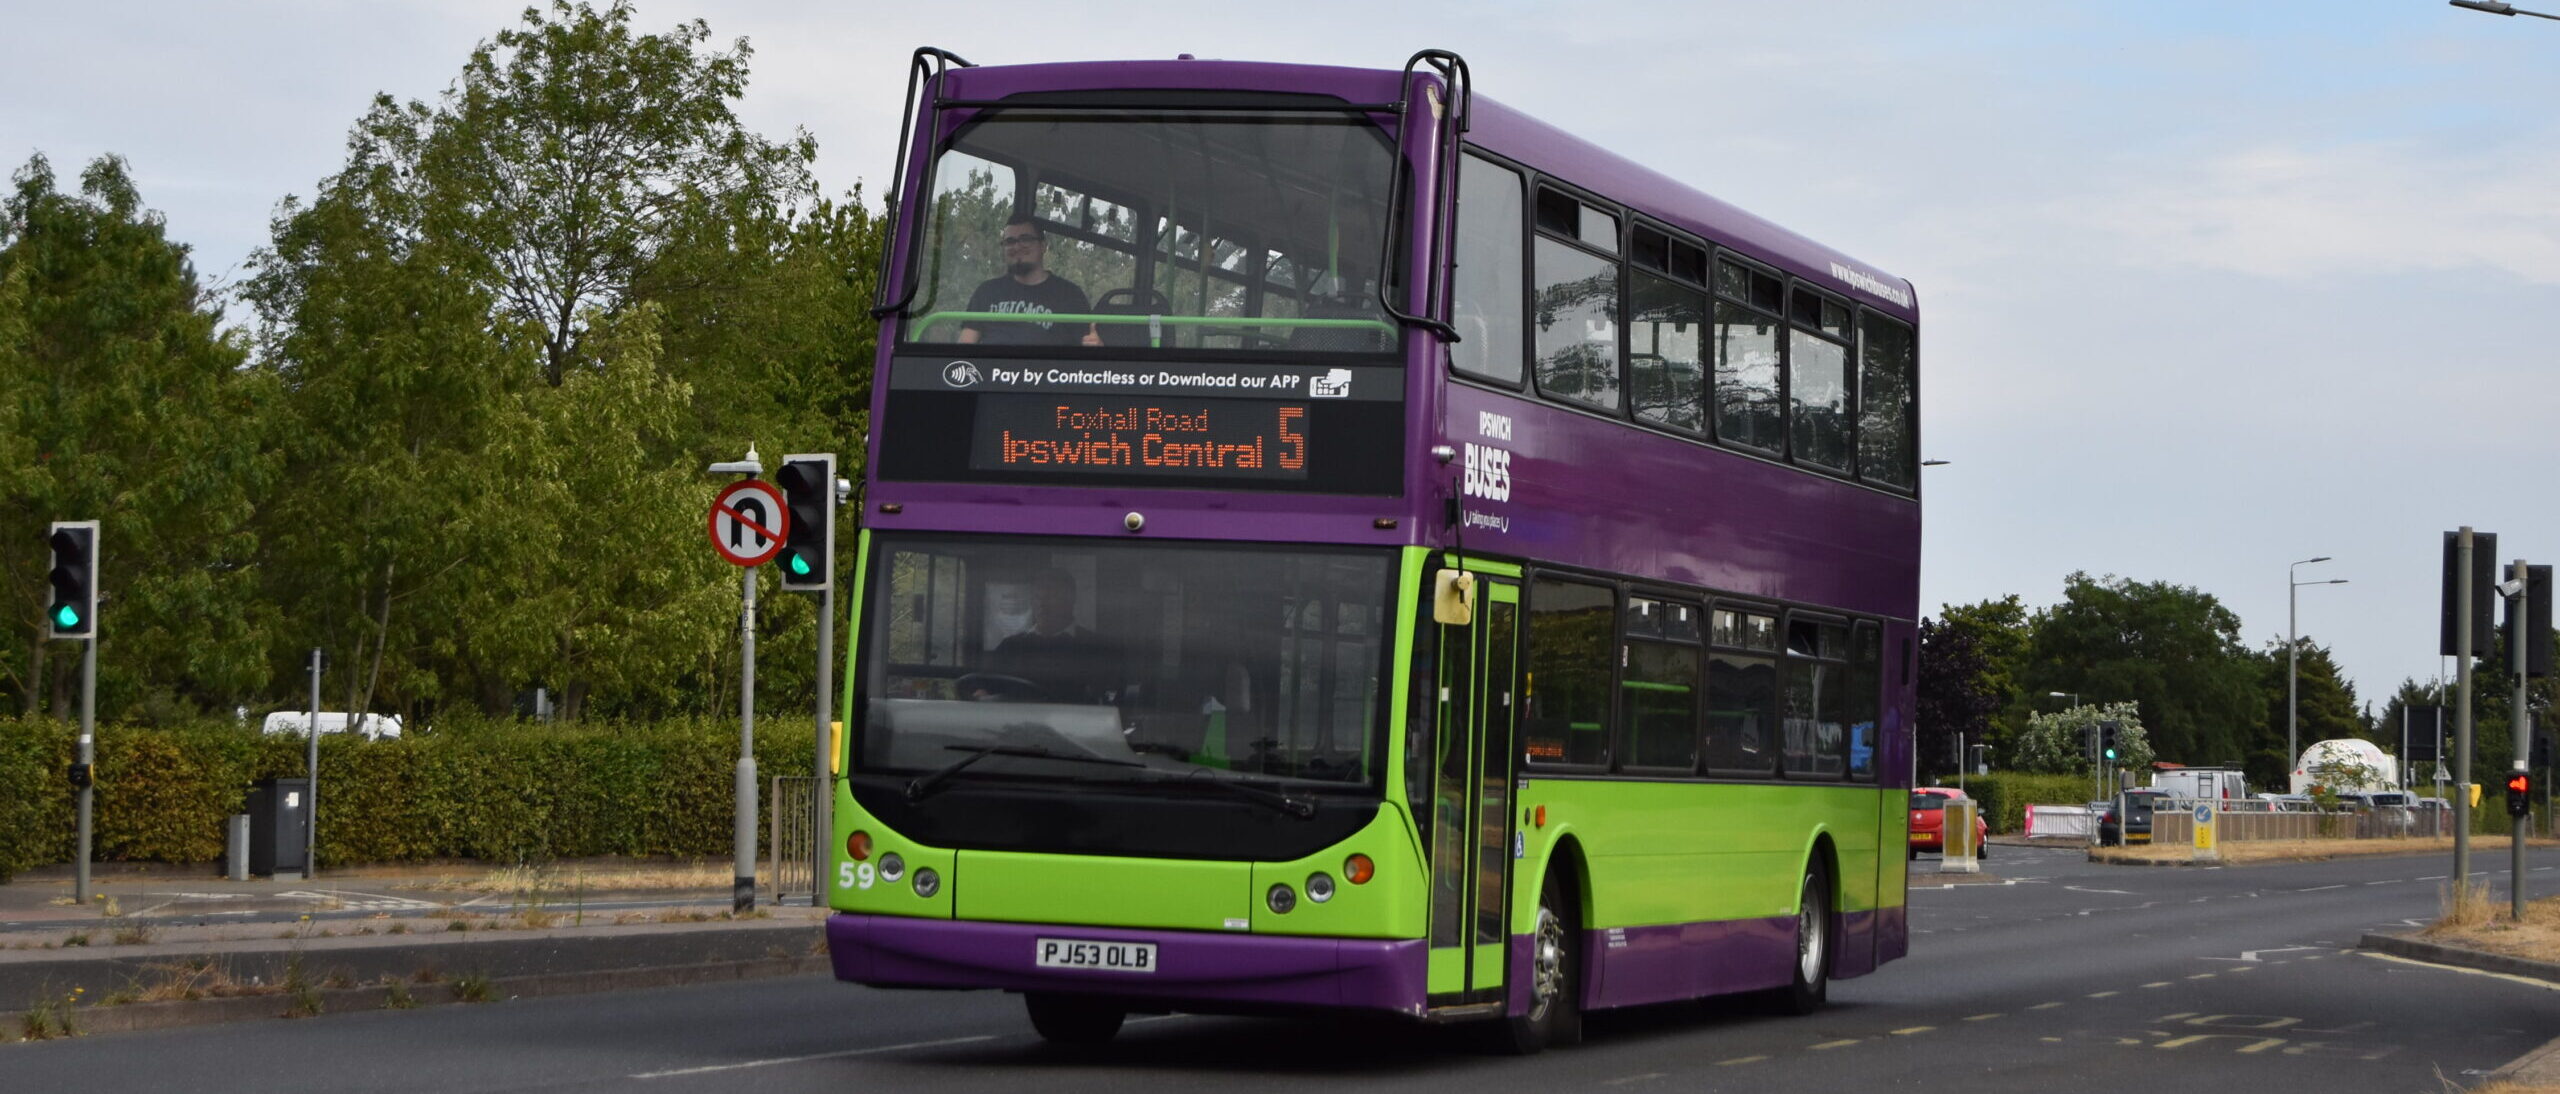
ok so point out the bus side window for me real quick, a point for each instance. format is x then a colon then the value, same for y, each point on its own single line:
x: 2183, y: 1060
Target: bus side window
x: 1485, y: 305
x: 1572, y: 633
x: 1742, y: 694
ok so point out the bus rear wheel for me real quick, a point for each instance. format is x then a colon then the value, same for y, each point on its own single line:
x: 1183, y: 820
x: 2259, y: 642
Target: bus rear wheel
x: 1814, y: 936
x: 1555, y: 977
x: 1073, y: 1019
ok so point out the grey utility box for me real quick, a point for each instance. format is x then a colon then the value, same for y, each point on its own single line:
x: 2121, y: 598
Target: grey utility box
x: 279, y: 823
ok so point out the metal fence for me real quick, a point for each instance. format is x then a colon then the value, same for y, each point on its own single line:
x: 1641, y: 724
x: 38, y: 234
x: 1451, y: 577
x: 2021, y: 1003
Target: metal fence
x: 2238, y: 820
x: 792, y: 850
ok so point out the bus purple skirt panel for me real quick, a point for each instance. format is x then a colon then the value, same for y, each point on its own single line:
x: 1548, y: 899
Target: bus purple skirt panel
x: 1189, y: 966
x: 1635, y: 966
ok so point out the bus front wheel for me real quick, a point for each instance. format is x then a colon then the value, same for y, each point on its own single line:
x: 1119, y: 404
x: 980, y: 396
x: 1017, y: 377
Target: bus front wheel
x: 1555, y: 977
x: 1072, y: 1019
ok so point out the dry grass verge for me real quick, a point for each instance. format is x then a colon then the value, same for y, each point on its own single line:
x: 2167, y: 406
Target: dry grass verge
x: 2473, y: 919
x: 557, y: 879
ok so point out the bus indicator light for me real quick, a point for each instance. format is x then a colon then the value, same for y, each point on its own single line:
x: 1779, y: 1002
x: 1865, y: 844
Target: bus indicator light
x: 858, y: 846
x: 1358, y: 869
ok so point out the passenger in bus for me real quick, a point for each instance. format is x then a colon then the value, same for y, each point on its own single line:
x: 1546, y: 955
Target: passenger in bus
x: 1068, y: 662
x: 1028, y: 288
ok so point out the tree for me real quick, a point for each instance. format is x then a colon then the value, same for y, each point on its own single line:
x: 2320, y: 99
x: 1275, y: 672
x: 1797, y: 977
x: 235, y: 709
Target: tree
x: 2172, y: 649
x: 568, y: 155
x: 2325, y: 709
x: 2000, y: 629
x: 121, y: 400
x: 1956, y: 695
x: 511, y: 331
x: 2057, y: 742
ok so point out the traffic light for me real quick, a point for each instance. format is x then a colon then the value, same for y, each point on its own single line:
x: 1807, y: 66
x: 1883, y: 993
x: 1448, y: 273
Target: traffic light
x: 808, y: 485
x: 2519, y: 793
x: 71, y: 611
x: 2107, y: 739
x: 2537, y: 620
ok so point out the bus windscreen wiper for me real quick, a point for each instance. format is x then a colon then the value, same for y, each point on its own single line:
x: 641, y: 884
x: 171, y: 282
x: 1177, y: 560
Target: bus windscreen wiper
x: 925, y: 784
x: 1301, y: 808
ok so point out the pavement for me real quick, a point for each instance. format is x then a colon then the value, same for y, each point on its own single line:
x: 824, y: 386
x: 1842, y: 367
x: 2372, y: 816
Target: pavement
x: 157, y: 946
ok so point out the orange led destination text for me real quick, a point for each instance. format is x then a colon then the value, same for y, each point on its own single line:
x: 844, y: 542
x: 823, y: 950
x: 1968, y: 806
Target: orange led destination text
x: 1149, y: 436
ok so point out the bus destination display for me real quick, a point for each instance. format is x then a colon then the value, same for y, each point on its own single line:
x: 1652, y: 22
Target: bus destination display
x: 1144, y: 438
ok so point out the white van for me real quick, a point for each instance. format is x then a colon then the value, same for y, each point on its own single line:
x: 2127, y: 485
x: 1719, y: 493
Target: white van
x: 373, y: 727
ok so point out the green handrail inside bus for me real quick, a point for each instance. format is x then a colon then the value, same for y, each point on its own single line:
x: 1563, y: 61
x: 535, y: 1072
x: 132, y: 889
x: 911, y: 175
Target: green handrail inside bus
x: 1380, y: 326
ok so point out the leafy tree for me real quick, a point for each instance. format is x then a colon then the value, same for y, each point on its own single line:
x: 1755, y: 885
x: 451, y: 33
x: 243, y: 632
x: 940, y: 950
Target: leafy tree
x: 2000, y: 629
x: 2173, y: 649
x: 122, y: 401
x: 486, y: 329
x: 2057, y: 742
x: 2325, y: 709
x: 569, y: 153
x: 1957, y: 695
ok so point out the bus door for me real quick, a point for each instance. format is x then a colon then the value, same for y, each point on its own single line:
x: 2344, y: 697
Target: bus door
x: 1471, y: 831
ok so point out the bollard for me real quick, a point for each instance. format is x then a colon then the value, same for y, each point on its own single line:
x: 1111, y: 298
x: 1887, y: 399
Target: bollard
x: 2204, y: 826
x: 1960, y: 852
x: 236, y: 847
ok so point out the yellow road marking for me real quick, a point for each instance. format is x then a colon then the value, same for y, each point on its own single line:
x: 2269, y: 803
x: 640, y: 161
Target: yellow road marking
x: 1740, y: 1060
x: 1837, y: 1044
x: 1912, y: 1030
x: 2158, y: 984
x: 2244, y: 968
x: 2103, y: 994
x: 1980, y: 1017
x: 2044, y: 1006
x: 2202, y: 976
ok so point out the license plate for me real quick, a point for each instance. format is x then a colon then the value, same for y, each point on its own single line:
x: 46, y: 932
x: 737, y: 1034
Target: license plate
x: 1068, y: 953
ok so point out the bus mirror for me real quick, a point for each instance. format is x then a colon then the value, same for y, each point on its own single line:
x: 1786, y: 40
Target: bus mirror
x: 1453, y: 597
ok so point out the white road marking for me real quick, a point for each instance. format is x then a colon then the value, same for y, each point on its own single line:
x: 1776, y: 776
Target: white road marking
x: 671, y: 1073
x: 2319, y: 888
x: 2112, y: 892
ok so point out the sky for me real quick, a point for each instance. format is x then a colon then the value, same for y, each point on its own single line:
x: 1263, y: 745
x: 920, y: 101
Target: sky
x: 2206, y: 288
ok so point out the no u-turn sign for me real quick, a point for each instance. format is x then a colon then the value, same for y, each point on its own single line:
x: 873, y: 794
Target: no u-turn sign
x: 749, y: 521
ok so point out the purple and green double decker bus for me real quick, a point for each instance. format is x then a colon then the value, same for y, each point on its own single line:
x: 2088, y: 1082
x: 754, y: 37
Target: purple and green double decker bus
x: 1333, y: 542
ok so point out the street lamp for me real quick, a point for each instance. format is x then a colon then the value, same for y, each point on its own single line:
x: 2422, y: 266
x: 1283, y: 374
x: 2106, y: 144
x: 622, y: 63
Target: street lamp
x: 2499, y: 7
x: 2293, y: 649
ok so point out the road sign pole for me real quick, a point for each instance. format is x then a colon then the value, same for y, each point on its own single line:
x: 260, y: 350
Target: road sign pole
x: 742, y: 895
x: 88, y: 756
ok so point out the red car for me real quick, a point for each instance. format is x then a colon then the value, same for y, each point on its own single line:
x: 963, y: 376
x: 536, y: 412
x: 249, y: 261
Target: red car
x: 1929, y: 820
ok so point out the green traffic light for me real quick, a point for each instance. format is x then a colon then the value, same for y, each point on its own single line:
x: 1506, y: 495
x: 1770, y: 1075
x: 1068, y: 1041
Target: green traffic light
x: 799, y: 566
x: 66, y: 617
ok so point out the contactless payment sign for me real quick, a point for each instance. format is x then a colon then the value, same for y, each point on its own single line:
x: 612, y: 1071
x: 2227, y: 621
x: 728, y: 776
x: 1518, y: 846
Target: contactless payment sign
x: 748, y: 522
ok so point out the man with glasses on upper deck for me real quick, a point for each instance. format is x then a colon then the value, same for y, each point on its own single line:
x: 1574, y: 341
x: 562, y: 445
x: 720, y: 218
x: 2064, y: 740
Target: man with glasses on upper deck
x: 1028, y: 288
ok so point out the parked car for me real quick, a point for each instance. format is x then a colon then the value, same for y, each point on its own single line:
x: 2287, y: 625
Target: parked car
x: 2135, y: 825
x: 1929, y: 821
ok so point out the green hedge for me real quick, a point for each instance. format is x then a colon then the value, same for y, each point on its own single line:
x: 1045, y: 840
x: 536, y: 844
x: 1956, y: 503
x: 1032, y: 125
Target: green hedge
x: 2005, y: 796
x: 493, y: 791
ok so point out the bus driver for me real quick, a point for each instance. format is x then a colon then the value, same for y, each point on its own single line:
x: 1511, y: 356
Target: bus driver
x: 1028, y: 288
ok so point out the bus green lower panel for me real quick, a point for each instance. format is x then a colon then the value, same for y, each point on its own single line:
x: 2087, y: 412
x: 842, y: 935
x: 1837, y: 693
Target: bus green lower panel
x: 1663, y: 853
x: 1004, y: 887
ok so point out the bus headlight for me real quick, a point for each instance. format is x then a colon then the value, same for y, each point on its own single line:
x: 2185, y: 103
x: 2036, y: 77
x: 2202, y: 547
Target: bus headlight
x: 927, y: 882
x: 892, y: 866
x: 1281, y: 898
x: 1319, y: 887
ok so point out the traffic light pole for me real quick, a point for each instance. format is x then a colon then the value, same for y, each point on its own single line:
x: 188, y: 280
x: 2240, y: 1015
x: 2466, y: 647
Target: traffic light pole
x: 88, y: 756
x: 2520, y: 727
x: 2462, y: 712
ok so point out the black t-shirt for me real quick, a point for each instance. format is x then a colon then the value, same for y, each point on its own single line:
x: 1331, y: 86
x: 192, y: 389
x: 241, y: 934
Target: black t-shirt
x: 1054, y: 295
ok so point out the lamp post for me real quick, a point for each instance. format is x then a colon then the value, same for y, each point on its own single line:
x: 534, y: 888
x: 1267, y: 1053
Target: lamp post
x: 2499, y: 7
x: 2292, y: 650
